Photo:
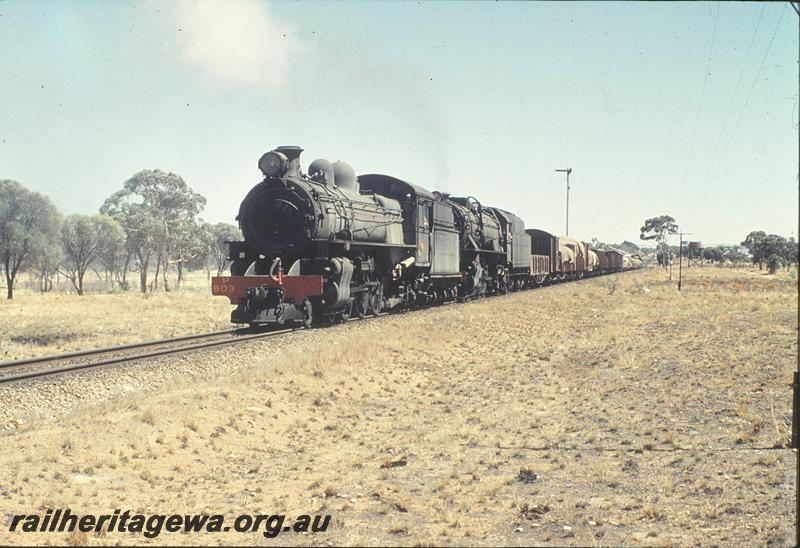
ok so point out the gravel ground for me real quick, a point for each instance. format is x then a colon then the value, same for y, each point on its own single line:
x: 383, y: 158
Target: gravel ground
x: 49, y: 399
x: 613, y: 411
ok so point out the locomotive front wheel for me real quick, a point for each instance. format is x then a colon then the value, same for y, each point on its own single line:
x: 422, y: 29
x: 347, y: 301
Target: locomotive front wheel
x: 376, y: 302
x: 308, y: 313
x: 361, y: 305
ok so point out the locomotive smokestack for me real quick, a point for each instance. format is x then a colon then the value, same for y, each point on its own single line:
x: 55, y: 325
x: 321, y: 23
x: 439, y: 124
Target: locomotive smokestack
x: 292, y: 154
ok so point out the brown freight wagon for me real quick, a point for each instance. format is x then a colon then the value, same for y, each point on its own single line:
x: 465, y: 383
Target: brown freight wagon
x: 543, y: 254
x: 609, y: 260
x: 614, y: 260
x: 602, y: 260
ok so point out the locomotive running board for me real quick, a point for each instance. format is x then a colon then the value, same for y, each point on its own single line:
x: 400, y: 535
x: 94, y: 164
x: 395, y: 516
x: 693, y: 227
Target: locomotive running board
x: 355, y: 243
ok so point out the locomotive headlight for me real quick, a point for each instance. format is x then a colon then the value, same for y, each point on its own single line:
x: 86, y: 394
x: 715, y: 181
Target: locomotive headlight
x: 273, y: 164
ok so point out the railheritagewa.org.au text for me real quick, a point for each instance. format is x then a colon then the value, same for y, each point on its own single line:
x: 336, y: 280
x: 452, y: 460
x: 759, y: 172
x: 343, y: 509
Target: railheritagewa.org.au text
x: 152, y: 525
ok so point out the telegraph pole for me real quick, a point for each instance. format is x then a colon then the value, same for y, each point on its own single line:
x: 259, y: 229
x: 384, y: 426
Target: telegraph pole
x: 567, y: 171
x: 680, y: 256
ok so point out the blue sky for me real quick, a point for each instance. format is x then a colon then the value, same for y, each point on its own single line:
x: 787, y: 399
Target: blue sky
x: 483, y: 99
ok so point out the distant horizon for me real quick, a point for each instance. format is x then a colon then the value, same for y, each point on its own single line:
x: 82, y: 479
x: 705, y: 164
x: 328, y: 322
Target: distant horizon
x: 684, y: 109
x: 647, y: 245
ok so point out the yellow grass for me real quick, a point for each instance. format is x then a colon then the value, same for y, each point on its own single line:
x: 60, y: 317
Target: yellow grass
x: 570, y: 415
x: 34, y: 324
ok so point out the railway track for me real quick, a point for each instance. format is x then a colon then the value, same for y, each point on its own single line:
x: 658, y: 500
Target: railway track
x: 56, y: 364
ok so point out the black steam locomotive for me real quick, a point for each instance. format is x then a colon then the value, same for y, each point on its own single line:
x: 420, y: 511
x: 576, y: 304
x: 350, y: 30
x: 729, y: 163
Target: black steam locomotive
x: 325, y: 245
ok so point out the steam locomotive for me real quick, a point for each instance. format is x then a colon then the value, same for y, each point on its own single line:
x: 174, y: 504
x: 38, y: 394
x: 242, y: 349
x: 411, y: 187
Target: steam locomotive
x: 322, y: 246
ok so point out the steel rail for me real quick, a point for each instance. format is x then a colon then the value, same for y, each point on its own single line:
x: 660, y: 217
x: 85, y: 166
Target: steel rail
x: 136, y: 357
x: 5, y: 379
x: 106, y: 349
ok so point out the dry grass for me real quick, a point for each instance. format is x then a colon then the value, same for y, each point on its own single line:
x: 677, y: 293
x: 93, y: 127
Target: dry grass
x: 34, y: 324
x: 588, y: 417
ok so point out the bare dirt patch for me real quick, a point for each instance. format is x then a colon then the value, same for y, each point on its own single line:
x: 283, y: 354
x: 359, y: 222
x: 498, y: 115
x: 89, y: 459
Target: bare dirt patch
x: 605, y: 412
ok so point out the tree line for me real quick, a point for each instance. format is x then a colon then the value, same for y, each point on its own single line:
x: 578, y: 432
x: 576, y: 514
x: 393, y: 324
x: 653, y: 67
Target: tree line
x: 717, y: 254
x: 150, y: 226
x: 771, y: 250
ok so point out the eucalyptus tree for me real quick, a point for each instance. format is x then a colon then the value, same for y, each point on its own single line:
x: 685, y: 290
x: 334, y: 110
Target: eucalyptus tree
x: 85, y: 238
x: 28, y: 226
x: 156, y: 209
x: 658, y: 229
